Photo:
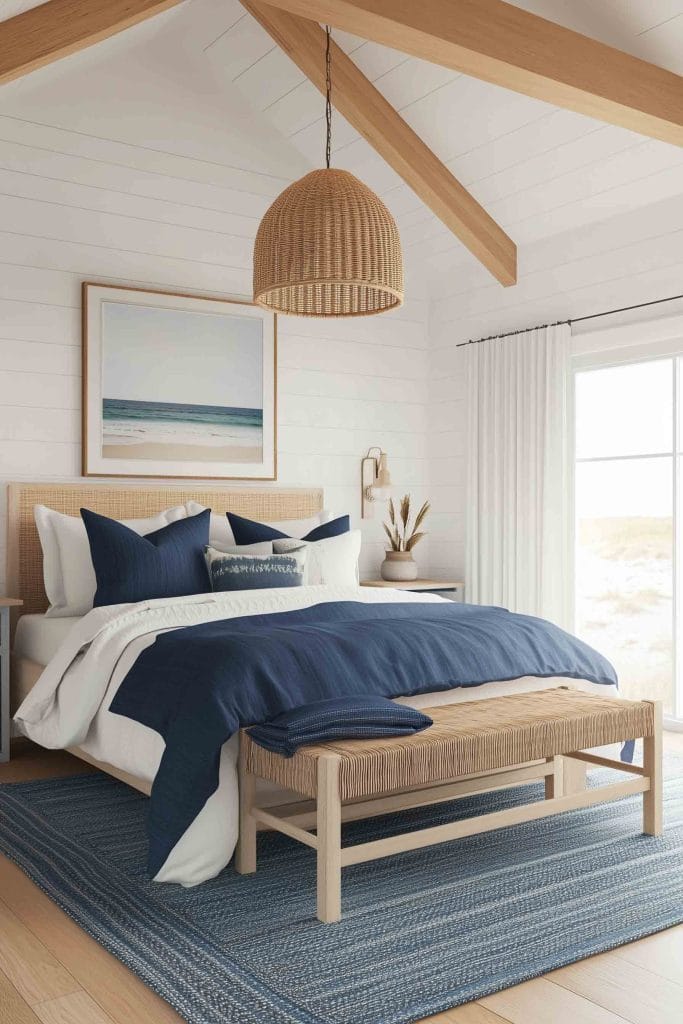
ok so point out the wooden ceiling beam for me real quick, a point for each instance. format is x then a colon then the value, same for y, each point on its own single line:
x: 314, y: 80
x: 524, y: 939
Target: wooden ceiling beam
x: 60, y: 27
x: 500, y: 43
x: 375, y: 119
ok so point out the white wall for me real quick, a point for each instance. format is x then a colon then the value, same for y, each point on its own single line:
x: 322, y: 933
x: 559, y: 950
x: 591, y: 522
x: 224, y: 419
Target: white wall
x: 130, y: 166
x: 629, y: 259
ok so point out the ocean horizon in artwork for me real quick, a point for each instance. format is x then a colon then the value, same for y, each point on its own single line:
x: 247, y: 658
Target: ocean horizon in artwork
x: 178, y: 431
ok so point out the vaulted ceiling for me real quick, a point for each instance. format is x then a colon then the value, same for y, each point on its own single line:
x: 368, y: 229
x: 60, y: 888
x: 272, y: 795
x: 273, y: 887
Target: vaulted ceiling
x: 538, y: 170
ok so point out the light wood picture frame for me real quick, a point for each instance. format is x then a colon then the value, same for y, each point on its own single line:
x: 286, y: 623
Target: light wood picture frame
x: 177, y: 386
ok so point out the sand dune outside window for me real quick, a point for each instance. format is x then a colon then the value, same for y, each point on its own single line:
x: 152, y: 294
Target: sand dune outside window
x: 625, y: 492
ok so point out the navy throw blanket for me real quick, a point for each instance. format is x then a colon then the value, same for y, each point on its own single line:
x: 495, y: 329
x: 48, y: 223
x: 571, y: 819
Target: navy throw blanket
x: 343, y: 718
x: 198, y: 685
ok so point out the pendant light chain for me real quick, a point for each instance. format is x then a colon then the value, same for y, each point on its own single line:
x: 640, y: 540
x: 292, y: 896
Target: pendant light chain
x: 328, y: 97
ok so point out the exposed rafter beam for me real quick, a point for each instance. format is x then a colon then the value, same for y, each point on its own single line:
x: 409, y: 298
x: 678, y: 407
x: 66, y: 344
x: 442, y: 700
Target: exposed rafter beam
x: 377, y: 121
x: 60, y: 27
x: 500, y: 43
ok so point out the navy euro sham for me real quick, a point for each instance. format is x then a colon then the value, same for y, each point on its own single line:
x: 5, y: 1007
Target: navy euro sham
x: 166, y: 563
x: 247, y: 531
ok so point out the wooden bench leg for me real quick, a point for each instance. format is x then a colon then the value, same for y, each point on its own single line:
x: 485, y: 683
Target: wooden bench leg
x: 328, y: 828
x: 554, y: 784
x: 245, y: 856
x: 573, y: 776
x: 652, y: 767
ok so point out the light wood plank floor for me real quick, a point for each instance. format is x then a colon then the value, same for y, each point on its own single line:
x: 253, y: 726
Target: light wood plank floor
x: 52, y: 972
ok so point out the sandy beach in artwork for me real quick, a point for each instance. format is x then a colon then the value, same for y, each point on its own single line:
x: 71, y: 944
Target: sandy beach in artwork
x: 174, y: 432
x: 182, y: 452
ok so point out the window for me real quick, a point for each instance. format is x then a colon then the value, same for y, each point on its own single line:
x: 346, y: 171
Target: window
x: 627, y: 450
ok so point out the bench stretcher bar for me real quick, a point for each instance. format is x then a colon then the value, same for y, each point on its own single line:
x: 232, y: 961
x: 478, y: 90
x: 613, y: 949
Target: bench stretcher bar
x: 489, y: 822
x: 295, y: 825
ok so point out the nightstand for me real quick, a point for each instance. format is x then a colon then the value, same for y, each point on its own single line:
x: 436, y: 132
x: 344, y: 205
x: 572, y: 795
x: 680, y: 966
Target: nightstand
x: 6, y: 603
x: 454, y: 589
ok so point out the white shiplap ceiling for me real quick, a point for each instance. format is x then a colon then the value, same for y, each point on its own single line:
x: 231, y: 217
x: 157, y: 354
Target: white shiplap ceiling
x: 538, y: 170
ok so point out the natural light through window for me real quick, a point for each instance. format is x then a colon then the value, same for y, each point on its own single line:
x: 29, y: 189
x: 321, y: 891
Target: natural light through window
x: 624, y: 569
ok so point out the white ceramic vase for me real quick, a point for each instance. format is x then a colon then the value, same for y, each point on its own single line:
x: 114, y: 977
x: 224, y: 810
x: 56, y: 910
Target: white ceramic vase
x: 399, y: 567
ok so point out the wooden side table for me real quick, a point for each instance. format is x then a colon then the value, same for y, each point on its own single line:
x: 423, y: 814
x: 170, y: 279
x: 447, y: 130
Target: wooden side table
x: 455, y: 589
x: 6, y: 603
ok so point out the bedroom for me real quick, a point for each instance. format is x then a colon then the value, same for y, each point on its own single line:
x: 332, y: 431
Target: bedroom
x: 141, y: 145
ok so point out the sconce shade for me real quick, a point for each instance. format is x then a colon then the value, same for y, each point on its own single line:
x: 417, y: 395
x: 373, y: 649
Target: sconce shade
x: 328, y: 246
x: 375, y: 479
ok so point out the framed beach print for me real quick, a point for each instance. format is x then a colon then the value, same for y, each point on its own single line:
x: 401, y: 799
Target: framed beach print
x: 177, y: 386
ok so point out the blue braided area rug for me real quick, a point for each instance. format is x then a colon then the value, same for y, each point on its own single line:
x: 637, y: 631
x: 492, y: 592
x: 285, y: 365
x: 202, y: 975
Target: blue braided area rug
x: 421, y: 932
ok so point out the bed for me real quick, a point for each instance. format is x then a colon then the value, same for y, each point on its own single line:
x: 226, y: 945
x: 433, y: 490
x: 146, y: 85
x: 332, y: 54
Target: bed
x: 125, y: 748
x: 34, y: 635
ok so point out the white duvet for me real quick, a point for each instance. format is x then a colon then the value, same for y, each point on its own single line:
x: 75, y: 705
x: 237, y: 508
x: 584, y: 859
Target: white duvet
x: 69, y: 705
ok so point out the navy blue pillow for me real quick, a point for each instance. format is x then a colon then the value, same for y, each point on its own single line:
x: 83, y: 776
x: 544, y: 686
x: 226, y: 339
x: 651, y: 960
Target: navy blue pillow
x: 246, y: 531
x: 166, y: 563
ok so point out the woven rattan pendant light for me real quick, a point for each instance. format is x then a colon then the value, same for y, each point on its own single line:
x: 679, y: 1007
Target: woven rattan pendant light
x: 328, y: 246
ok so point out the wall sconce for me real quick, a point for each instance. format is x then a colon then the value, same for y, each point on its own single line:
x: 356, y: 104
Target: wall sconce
x: 374, y: 479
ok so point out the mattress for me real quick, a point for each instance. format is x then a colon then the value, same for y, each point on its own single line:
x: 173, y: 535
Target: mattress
x: 39, y: 637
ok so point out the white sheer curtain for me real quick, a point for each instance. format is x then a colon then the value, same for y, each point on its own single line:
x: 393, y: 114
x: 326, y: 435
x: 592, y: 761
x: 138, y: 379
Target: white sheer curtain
x: 517, y: 504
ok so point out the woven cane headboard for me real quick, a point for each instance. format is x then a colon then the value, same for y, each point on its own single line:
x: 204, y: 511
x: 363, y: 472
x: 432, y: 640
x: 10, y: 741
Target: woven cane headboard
x: 24, y: 555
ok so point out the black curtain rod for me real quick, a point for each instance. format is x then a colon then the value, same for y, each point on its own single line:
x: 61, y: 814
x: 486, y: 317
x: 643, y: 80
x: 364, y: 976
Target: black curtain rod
x: 576, y: 320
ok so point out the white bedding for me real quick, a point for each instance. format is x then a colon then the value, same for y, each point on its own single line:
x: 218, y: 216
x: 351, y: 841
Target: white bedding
x: 39, y: 637
x: 69, y: 704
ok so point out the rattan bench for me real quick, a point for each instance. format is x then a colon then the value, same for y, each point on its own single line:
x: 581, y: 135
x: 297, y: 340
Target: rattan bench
x: 472, y: 747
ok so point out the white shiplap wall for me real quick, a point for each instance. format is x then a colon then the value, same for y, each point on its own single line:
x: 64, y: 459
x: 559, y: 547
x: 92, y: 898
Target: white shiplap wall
x: 116, y: 168
x: 630, y: 259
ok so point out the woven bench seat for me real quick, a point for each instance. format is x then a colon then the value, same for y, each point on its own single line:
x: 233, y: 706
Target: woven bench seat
x: 471, y: 747
x: 476, y: 736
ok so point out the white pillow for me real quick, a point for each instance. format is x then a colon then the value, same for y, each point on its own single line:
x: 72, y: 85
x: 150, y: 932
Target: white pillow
x: 52, y: 570
x: 220, y: 531
x: 260, y: 548
x: 333, y: 560
x: 68, y: 571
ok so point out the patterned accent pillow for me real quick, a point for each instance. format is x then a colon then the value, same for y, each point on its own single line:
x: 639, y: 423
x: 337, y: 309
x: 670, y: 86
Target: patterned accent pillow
x: 254, y: 572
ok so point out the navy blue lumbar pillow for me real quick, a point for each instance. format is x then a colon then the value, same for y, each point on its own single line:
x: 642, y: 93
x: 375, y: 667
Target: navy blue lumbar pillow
x: 246, y: 531
x: 166, y: 563
x: 341, y: 718
x: 254, y: 572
